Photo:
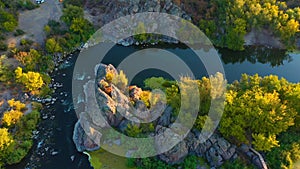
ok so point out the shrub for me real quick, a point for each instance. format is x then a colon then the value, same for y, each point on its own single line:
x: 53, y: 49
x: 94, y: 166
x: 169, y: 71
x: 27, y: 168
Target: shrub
x: 200, y: 121
x: 120, y: 80
x: 19, y: 32
x: 155, y: 82
x: 236, y: 164
x: 37, y: 106
x: 3, y: 46
x: 287, y: 154
x: 133, y: 130
x: 145, y: 97
x: 109, y: 77
x: 25, y: 42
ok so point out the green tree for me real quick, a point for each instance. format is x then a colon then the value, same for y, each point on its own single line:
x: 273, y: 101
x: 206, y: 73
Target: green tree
x: 52, y: 46
x: 70, y: 13
x: 250, y: 103
x: 5, y: 72
x: 7, y: 21
x: 155, y: 82
x: 140, y: 32
x: 235, y: 35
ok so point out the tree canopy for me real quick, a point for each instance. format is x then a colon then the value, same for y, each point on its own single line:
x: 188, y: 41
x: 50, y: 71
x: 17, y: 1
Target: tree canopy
x: 254, y: 101
x: 32, y: 80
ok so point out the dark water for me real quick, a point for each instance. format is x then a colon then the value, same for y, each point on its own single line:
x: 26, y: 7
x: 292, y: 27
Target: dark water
x: 254, y: 60
x: 263, y: 61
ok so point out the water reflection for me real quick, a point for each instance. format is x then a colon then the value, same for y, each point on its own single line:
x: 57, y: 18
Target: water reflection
x: 273, y: 57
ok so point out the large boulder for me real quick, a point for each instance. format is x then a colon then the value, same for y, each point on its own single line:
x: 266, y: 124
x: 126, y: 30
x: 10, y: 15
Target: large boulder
x: 82, y: 141
x: 165, y: 119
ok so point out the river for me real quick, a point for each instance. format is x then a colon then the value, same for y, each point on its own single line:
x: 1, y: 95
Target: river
x: 54, y: 148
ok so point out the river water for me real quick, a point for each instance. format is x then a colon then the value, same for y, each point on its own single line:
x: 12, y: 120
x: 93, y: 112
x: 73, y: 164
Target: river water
x: 54, y: 148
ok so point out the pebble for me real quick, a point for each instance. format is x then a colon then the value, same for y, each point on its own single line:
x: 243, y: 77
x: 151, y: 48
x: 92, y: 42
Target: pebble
x: 54, y: 153
x: 45, y: 117
x: 72, y: 157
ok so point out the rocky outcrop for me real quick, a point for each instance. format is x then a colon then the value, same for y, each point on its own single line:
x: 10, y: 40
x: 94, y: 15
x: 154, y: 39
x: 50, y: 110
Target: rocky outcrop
x: 105, y: 11
x: 114, y: 9
x: 82, y: 141
x: 115, y: 109
x: 262, y: 38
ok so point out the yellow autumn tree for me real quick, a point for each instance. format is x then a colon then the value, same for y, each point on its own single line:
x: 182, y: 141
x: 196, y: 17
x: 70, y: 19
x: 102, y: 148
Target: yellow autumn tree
x: 5, y: 138
x: 11, y: 117
x: 32, y: 80
x: 16, y: 105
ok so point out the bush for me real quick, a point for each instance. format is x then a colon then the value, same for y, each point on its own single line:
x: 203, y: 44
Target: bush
x: 133, y: 130
x: 155, y: 82
x: 109, y: 77
x: 36, y: 106
x: 287, y: 154
x: 19, y: 32
x: 25, y: 42
x: 236, y: 164
x: 3, y: 46
x: 190, y: 162
x: 22, y: 139
x: 130, y: 162
x: 145, y: 97
x: 200, y: 121
x: 26, y: 4
x: 120, y: 80
x: 73, y: 2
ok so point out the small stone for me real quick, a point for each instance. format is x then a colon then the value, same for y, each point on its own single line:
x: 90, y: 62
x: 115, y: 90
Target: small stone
x: 72, y: 158
x: 54, y: 153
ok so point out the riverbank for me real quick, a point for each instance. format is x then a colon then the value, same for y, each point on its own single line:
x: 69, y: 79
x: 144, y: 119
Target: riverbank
x: 101, y: 13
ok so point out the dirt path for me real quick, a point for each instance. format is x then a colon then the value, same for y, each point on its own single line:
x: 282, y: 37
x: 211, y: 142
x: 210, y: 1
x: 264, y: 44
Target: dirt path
x: 33, y: 21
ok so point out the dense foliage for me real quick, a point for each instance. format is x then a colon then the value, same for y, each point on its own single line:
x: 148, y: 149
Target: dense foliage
x: 16, y: 132
x: 287, y: 154
x: 73, y: 32
x: 254, y: 101
x: 250, y: 102
x: 226, y: 22
x: 8, y: 18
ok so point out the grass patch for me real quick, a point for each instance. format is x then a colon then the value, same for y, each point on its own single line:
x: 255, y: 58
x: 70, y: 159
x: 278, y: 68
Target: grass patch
x: 102, y: 159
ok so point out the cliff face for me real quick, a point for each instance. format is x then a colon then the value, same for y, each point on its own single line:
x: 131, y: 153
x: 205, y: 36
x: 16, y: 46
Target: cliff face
x: 105, y: 11
x: 115, y: 108
x: 102, y: 12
